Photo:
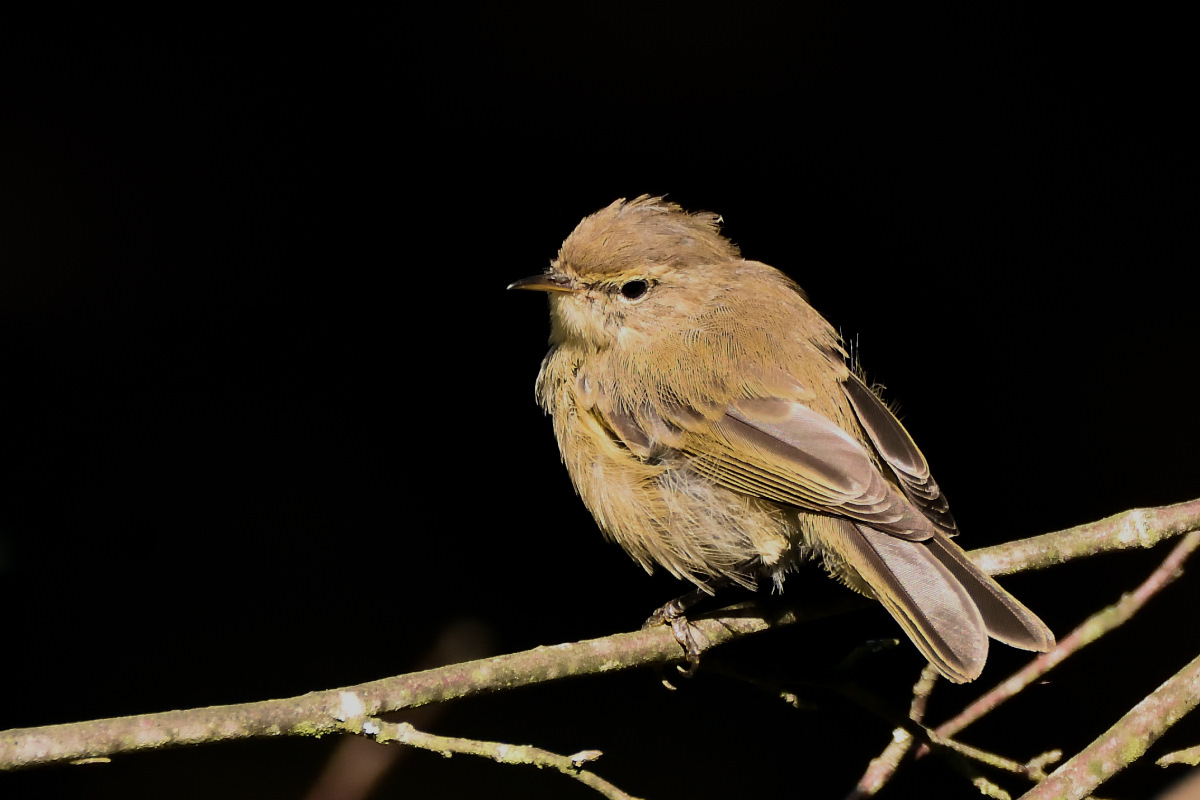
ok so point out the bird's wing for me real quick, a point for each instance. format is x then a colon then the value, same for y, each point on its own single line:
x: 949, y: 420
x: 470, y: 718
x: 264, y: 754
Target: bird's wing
x: 900, y: 453
x: 894, y: 533
x: 778, y: 449
x: 784, y: 451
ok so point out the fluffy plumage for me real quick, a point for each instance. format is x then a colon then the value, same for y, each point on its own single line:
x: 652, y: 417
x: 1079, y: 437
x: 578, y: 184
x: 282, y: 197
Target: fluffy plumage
x: 708, y: 419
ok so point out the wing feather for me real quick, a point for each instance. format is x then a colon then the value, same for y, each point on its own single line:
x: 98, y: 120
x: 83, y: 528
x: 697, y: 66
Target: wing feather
x: 900, y: 453
x: 795, y: 455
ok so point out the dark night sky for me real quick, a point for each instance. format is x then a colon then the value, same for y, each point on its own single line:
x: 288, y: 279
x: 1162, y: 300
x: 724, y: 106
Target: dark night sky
x: 268, y: 418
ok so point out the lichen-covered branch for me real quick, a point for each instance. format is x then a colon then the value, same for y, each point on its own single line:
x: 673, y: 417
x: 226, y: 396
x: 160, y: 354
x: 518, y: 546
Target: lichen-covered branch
x: 1124, y: 742
x: 1015, y: 556
x: 1089, y: 631
x: 1140, y: 527
x: 326, y: 712
x: 320, y: 713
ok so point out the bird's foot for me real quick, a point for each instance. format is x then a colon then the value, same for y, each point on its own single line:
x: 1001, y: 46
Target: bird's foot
x: 674, y: 615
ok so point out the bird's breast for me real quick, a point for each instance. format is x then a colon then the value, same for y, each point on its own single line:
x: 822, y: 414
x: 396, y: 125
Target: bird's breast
x: 644, y: 493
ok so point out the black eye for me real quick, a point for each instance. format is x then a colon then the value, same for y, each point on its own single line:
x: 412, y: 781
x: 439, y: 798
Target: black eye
x: 635, y: 289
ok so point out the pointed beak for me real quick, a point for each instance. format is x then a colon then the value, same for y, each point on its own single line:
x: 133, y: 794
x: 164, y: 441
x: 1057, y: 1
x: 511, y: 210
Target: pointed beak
x: 546, y: 282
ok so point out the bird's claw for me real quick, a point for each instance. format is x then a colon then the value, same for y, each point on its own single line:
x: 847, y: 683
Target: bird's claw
x: 674, y: 615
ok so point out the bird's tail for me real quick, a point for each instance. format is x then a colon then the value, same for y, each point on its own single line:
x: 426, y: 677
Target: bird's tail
x: 946, y: 605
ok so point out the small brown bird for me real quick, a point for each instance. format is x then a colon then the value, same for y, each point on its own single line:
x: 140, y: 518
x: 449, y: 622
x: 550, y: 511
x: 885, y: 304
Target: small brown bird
x: 708, y: 419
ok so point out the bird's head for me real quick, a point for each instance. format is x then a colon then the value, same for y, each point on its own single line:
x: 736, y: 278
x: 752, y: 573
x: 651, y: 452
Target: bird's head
x: 630, y: 269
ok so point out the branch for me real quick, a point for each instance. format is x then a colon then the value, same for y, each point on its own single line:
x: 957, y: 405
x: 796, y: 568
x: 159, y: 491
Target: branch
x: 881, y: 769
x: 957, y: 754
x: 1140, y: 527
x: 1125, y: 741
x: 343, y: 710
x: 1089, y: 631
x: 995, y: 560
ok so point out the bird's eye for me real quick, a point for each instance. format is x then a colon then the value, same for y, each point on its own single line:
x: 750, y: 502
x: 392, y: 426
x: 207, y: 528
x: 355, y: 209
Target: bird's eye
x: 635, y: 289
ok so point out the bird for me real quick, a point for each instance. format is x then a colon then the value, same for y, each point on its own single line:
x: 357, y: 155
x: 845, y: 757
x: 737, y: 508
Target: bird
x: 710, y: 421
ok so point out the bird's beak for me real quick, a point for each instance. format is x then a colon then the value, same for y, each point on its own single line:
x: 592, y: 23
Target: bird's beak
x: 547, y: 282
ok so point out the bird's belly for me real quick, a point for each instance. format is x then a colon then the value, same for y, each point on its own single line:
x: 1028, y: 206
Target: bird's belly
x: 667, y: 514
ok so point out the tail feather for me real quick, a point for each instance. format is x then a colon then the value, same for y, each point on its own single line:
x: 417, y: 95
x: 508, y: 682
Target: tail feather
x: 923, y: 595
x: 1006, y: 618
x: 946, y: 605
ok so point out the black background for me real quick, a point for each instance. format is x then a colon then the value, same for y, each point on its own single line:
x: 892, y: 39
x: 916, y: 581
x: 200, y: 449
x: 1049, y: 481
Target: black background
x: 267, y: 412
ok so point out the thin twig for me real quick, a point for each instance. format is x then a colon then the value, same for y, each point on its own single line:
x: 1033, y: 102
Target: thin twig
x: 921, y: 691
x: 1037, y: 765
x: 1126, y: 741
x: 982, y: 756
x: 1189, y: 756
x: 989, y: 789
x: 962, y: 757
x: 883, y: 766
x: 571, y: 766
